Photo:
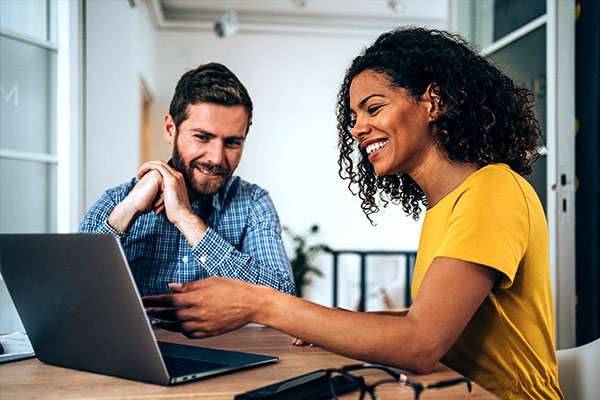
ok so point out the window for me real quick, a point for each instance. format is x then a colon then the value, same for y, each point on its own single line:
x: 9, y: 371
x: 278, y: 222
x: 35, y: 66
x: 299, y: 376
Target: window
x: 39, y: 122
x: 28, y: 100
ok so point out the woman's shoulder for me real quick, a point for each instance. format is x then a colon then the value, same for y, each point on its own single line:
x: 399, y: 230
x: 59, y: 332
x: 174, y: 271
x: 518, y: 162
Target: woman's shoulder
x: 496, y: 186
x: 497, y: 177
x: 499, y: 184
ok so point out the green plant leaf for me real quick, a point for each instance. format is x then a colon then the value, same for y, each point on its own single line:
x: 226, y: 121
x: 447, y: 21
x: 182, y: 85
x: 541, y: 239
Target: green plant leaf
x: 304, y: 253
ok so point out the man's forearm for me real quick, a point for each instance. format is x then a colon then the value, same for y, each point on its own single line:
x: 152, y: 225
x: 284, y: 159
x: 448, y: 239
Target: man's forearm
x: 192, y: 227
x: 122, y: 216
x: 265, y: 267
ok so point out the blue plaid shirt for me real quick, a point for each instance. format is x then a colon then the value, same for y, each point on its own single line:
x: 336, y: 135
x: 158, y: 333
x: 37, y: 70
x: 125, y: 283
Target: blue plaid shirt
x: 243, y: 240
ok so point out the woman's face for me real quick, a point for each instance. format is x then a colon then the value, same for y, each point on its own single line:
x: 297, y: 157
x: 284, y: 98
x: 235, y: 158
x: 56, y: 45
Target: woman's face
x: 390, y: 125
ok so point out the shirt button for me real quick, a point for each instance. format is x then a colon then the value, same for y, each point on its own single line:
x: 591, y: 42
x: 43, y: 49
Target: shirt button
x: 202, y: 259
x: 185, y: 259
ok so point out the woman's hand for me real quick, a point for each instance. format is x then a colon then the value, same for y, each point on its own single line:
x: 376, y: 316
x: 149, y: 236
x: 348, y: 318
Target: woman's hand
x: 300, y: 342
x: 206, y: 307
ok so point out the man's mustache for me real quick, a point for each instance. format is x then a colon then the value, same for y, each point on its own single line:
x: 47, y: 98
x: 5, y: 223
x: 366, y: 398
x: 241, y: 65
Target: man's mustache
x: 213, y: 169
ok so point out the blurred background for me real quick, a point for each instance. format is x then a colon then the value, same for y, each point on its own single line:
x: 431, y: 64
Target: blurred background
x: 84, y: 86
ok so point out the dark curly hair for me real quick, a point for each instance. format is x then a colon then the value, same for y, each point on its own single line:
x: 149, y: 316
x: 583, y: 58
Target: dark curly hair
x: 484, y: 116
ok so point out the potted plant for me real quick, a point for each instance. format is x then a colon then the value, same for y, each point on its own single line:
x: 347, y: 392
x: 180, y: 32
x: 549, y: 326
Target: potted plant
x: 303, y: 257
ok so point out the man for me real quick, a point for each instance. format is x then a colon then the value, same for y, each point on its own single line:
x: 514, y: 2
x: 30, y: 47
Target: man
x: 189, y: 219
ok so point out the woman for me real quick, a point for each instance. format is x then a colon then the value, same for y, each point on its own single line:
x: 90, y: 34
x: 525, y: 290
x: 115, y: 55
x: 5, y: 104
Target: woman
x: 425, y: 122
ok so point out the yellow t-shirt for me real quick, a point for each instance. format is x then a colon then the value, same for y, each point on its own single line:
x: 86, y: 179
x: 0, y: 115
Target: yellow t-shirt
x: 494, y: 218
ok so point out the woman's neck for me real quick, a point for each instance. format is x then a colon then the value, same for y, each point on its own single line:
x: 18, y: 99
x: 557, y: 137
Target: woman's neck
x: 437, y: 176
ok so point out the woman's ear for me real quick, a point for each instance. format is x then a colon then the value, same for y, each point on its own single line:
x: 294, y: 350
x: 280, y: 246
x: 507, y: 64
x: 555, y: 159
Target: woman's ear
x: 431, y: 98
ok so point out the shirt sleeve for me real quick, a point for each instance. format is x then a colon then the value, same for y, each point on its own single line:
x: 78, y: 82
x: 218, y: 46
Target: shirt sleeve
x: 96, y: 219
x: 489, y: 225
x: 262, y: 259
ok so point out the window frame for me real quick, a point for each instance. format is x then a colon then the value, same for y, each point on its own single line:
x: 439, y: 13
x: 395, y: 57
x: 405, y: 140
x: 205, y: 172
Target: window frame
x: 64, y: 37
x: 559, y: 21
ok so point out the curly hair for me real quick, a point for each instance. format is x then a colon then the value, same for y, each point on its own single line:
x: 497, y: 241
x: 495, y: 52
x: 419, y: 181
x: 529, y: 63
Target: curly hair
x: 484, y: 116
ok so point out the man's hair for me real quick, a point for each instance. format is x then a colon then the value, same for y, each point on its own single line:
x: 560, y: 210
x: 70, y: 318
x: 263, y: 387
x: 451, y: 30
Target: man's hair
x: 210, y: 83
x: 485, y: 117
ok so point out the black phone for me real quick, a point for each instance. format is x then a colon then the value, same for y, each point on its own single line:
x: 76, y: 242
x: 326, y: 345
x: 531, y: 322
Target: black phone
x: 311, y: 386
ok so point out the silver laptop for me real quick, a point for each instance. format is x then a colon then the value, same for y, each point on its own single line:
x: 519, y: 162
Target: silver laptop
x: 81, y: 309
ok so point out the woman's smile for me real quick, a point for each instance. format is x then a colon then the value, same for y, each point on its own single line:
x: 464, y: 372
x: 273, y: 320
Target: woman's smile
x: 375, y: 148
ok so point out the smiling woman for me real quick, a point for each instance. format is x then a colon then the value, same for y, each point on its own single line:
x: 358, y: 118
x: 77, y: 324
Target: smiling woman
x: 391, y: 127
x: 425, y: 122
x: 484, y: 117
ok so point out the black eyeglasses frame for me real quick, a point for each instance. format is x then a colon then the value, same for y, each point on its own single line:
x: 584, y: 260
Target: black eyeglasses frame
x: 396, y: 377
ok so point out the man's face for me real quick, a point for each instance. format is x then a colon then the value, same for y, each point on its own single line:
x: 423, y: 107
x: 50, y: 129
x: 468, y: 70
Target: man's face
x: 208, y: 145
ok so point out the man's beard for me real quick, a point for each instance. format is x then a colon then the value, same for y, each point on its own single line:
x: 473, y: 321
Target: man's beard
x: 199, y: 189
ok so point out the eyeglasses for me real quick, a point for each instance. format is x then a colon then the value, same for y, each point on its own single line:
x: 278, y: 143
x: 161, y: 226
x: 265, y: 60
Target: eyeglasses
x: 341, y: 380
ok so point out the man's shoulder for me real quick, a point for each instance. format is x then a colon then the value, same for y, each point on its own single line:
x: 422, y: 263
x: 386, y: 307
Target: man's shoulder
x: 253, y: 199
x: 246, y: 191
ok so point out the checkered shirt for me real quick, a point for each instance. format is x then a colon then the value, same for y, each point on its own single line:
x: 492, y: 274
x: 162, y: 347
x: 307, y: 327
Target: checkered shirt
x: 243, y: 240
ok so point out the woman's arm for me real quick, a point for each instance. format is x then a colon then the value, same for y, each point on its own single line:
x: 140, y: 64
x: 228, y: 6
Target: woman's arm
x: 392, y: 313
x: 451, y: 292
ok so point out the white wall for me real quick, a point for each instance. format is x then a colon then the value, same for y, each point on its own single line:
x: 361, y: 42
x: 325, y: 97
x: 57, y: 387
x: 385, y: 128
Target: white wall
x: 120, y: 45
x: 292, y: 147
x: 293, y: 80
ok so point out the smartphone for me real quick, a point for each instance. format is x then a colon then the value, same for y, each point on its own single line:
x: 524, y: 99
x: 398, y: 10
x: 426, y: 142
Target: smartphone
x: 311, y: 386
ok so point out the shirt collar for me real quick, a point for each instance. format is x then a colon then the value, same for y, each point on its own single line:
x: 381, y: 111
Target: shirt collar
x: 219, y: 199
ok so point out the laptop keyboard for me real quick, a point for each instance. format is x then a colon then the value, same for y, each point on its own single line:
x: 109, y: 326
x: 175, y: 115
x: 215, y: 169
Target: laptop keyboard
x: 185, y: 366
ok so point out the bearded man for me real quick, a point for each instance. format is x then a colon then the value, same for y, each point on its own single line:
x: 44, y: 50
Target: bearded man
x: 190, y: 218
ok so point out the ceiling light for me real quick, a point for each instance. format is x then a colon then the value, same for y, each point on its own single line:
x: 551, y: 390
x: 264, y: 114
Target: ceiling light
x: 299, y: 3
x: 397, y: 6
x: 227, y: 25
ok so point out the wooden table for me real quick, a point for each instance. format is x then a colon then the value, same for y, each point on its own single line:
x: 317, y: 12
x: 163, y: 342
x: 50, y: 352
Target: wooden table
x: 31, y: 379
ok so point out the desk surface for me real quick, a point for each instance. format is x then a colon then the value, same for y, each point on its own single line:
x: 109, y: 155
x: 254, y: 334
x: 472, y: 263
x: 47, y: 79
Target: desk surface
x: 35, y: 380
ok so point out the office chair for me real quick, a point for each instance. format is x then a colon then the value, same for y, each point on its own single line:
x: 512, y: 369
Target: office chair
x: 579, y: 371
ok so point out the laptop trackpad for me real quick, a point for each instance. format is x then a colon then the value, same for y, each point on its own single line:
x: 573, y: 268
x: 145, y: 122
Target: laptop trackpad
x: 226, y: 358
x: 182, y: 360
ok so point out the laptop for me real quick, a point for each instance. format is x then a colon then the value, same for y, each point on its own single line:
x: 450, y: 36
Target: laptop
x: 81, y: 309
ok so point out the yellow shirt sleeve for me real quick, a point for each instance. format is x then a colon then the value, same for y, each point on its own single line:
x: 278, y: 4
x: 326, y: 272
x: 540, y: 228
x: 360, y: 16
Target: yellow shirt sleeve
x: 489, y: 225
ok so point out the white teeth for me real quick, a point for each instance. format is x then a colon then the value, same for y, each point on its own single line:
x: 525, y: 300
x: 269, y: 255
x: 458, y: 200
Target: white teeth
x: 376, y: 146
x: 205, y: 172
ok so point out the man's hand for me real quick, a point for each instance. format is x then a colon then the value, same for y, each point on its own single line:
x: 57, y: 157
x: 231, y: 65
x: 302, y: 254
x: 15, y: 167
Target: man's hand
x: 206, y: 307
x: 175, y: 195
x: 144, y: 196
x: 175, y: 200
x: 146, y: 193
